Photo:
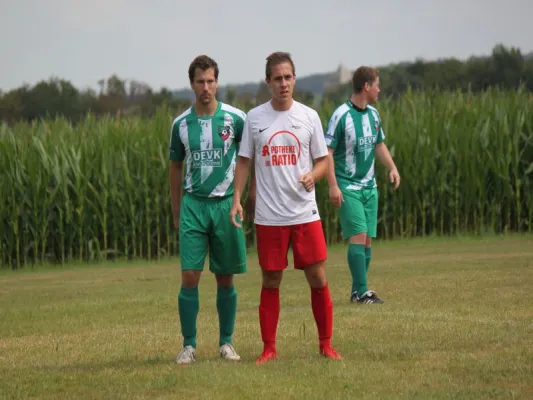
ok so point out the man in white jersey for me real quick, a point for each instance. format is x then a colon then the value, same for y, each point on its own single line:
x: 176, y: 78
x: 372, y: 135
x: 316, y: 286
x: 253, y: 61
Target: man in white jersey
x: 355, y: 138
x: 205, y: 140
x: 284, y: 137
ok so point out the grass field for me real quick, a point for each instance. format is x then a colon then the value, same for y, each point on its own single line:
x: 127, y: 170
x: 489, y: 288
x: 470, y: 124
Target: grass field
x: 457, y: 323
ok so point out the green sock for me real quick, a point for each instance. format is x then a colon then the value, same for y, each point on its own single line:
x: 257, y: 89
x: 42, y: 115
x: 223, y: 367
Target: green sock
x: 188, y: 306
x: 368, y: 256
x: 227, y: 309
x: 357, y: 263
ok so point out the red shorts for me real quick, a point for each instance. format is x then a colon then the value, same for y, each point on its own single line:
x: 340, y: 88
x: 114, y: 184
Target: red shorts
x: 307, y: 241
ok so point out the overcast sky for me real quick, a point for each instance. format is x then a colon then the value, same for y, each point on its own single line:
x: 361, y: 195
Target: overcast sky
x: 155, y: 41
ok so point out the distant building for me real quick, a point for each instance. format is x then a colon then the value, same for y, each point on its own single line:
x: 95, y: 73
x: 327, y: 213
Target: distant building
x: 341, y: 76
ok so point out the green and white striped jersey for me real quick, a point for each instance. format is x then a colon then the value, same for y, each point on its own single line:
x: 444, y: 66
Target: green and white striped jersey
x: 353, y: 134
x: 209, y: 147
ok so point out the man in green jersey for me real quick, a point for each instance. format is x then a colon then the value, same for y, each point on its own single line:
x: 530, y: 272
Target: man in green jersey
x: 204, y: 141
x: 355, y: 138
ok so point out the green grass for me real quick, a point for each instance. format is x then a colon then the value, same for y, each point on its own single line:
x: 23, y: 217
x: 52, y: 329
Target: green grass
x: 457, y: 323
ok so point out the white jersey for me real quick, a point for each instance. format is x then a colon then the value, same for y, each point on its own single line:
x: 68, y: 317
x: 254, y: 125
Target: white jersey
x: 284, y: 145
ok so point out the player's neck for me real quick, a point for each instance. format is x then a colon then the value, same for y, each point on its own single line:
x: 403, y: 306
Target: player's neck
x: 205, y: 110
x: 281, y: 105
x: 359, y: 101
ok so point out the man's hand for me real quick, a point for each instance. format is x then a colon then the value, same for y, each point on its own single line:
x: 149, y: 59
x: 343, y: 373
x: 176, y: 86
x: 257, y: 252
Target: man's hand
x: 335, y: 196
x: 308, y: 181
x: 394, y: 176
x: 236, y: 209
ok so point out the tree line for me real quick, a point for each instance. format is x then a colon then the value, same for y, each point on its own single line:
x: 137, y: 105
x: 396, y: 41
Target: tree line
x: 506, y: 68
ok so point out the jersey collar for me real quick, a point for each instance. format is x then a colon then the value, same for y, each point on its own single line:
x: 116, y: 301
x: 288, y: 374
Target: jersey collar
x: 352, y: 105
x: 219, y: 106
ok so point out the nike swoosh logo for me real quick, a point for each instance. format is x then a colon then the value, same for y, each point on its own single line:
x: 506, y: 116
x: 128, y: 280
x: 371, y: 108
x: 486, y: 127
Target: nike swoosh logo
x: 264, y: 129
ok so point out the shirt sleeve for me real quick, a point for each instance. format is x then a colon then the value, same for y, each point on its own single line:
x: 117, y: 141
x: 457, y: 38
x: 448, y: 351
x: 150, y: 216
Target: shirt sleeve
x: 176, y: 148
x: 334, y: 130
x: 318, y: 144
x: 246, y: 148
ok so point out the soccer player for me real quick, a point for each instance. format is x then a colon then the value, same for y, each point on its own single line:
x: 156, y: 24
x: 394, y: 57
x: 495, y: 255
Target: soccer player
x: 283, y: 137
x: 355, y: 137
x: 206, y: 138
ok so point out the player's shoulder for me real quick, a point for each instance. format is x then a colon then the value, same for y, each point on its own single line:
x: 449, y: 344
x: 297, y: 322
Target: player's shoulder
x: 373, y: 110
x: 232, y: 110
x: 338, y: 115
x: 182, y: 116
x: 304, y: 109
x: 258, y: 111
x: 340, y: 111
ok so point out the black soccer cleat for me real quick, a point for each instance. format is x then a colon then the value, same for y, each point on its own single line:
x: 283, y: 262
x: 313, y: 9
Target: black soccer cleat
x: 369, y: 297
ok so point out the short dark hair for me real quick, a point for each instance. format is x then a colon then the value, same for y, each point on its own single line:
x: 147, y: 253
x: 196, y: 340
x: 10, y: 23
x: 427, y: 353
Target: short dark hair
x: 363, y: 75
x: 204, y: 63
x: 277, y: 58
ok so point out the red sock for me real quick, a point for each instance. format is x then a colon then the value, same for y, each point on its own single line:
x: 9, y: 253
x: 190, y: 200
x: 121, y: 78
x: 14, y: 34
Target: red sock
x: 269, y: 316
x: 323, y: 312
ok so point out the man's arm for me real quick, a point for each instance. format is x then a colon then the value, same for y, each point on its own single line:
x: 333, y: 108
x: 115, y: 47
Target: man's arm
x: 241, y: 176
x: 384, y: 157
x: 250, y: 201
x: 335, y: 194
x: 176, y: 179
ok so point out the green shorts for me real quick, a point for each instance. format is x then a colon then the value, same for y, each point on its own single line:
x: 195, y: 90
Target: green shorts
x: 359, y: 212
x: 205, y: 224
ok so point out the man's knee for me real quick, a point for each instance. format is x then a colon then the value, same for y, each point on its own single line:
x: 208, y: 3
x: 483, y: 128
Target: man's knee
x: 272, y: 279
x: 360, y: 238
x: 224, y: 281
x: 190, y: 278
x: 368, y: 241
x: 316, y: 275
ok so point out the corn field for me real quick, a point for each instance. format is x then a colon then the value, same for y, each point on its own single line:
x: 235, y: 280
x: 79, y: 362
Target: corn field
x: 99, y: 190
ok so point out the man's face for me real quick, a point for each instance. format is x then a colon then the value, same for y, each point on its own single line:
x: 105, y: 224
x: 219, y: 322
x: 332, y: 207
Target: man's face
x: 373, y: 91
x: 281, y: 82
x: 204, y: 85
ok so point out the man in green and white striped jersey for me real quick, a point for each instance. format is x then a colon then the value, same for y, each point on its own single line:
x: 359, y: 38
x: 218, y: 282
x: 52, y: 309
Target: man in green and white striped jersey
x: 355, y: 138
x: 205, y: 139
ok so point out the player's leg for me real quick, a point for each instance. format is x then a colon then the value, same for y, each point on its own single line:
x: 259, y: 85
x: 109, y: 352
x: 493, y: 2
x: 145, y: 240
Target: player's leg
x: 272, y: 249
x: 310, y: 253
x: 368, y: 253
x: 353, y: 223
x: 371, y: 214
x: 227, y: 255
x: 193, y: 243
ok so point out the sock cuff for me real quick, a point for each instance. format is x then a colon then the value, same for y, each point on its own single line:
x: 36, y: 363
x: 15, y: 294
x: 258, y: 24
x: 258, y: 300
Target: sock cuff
x: 270, y: 290
x: 189, y: 291
x: 357, y: 248
x: 368, y: 251
x: 323, y: 289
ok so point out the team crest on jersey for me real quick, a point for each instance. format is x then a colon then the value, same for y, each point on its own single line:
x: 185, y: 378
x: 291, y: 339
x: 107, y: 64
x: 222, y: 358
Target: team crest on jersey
x: 376, y: 125
x: 224, y: 131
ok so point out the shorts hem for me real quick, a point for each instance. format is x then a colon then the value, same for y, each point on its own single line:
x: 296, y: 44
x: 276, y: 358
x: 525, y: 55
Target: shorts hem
x: 299, y: 267
x: 192, y: 268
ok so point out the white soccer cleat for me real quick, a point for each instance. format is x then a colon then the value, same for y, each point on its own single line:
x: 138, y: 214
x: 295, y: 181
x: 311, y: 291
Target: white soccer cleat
x: 186, y: 356
x: 227, y: 352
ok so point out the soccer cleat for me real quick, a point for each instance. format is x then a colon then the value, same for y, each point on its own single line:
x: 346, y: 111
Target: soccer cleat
x: 369, y: 297
x: 186, y: 356
x: 328, y: 352
x: 353, y: 297
x: 227, y: 352
x: 266, y: 356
